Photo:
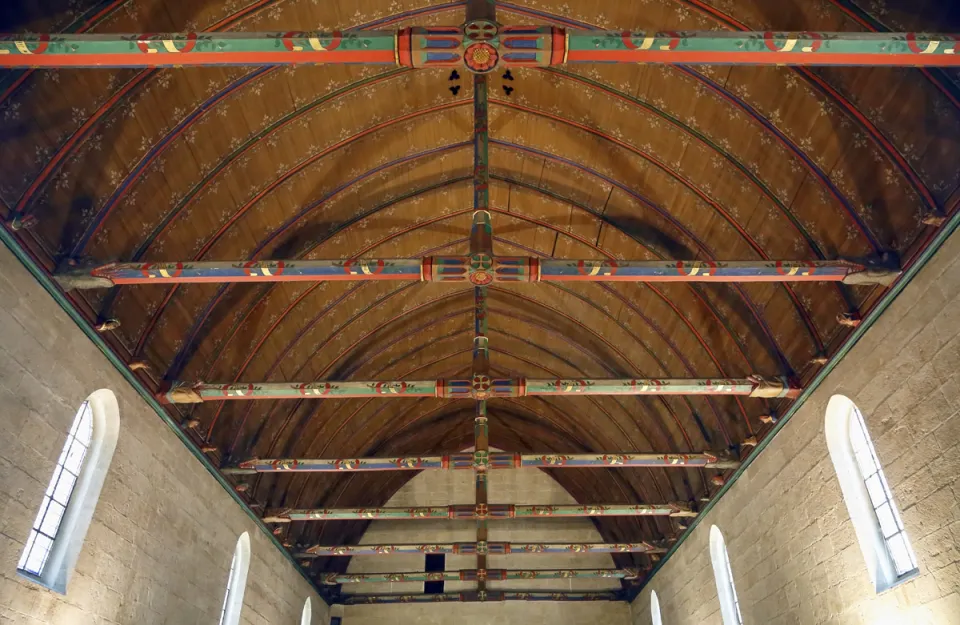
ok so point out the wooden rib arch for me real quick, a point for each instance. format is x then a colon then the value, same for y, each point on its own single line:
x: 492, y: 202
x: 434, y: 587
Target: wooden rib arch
x: 129, y: 88
x: 364, y: 338
x: 662, y: 365
x: 249, y: 205
x: 394, y: 434
x: 423, y: 223
x: 452, y: 414
x: 809, y: 77
x: 188, y: 342
x: 537, y: 222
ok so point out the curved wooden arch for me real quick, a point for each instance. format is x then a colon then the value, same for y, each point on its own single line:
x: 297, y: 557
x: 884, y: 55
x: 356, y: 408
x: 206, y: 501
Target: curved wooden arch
x: 281, y: 356
x: 306, y: 211
x: 371, y: 346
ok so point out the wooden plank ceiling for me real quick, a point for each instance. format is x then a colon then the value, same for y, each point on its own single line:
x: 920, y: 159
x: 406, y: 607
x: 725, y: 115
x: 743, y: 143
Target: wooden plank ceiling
x: 587, y: 161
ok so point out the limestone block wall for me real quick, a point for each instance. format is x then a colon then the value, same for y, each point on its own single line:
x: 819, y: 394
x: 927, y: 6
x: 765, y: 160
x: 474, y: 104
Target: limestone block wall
x: 793, y: 550
x: 162, y: 537
x: 446, y: 487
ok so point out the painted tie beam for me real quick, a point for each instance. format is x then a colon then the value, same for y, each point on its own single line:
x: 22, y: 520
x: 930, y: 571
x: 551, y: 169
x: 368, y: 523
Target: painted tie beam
x: 492, y: 548
x: 480, y: 269
x: 473, y: 575
x: 482, y: 596
x: 483, y: 461
x: 479, y: 387
x: 478, y: 512
x: 479, y: 46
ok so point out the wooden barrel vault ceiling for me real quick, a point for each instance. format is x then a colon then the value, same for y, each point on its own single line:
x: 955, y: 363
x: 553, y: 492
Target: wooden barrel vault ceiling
x: 587, y: 161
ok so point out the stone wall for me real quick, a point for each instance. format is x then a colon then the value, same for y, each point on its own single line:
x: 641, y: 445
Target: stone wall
x: 793, y: 551
x: 162, y: 537
x: 446, y: 487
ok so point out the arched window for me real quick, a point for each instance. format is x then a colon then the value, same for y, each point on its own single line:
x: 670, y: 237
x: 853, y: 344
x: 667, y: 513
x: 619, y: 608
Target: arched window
x: 307, y: 615
x: 723, y: 574
x: 655, y: 608
x: 236, y: 582
x: 876, y: 520
x: 61, y: 524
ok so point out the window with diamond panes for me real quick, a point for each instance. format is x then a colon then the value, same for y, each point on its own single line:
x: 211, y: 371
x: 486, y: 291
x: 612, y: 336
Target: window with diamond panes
x: 881, y: 499
x: 57, y: 497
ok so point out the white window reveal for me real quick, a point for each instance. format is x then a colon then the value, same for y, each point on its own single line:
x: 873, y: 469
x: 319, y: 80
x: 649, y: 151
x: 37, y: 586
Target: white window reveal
x: 60, y: 527
x: 655, y: 608
x: 876, y: 520
x: 236, y: 582
x: 723, y: 574
x: 307, y: 615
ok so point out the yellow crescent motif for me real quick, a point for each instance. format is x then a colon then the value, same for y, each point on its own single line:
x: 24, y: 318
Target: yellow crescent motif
x: 22, y: 47
x: 789, y: 45
x: 931, y: 47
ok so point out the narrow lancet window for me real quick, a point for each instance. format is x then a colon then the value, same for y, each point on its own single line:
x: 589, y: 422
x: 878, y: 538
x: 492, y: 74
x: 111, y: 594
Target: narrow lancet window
x: 236, y: 582
x: 58, y: 531
x: 876, y: 520
x: 655, y: 608
x: 723, y: 574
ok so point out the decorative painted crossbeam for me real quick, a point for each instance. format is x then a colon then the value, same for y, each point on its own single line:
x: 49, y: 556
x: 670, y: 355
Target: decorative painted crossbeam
x: 478, y: 512
x: 481, y: 269
x: 479, y: 388
x: 473, y: 575
x: 483, y: 461
x: 479, y: 46
x: 492, y: 548
x: 485, y: 595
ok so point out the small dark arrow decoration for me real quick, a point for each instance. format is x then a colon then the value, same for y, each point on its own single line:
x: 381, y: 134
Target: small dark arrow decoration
x: 507, y: 90
x: 455, y: 89
x: 507, y: 75
x: 454, y: 75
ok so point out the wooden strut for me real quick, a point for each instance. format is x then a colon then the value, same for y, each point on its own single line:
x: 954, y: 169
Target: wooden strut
x: 480, y: 387
x: 485, y: 462
x: 478, y: 46
x: 477, y: 575
x: 481, y: 268
x: 478, y: 512
x: 493, y: 548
